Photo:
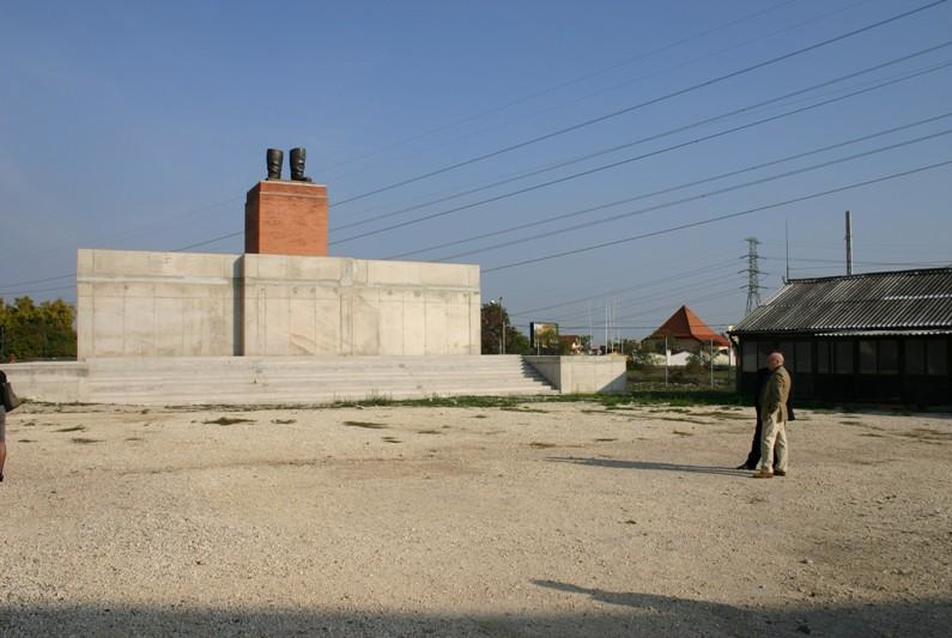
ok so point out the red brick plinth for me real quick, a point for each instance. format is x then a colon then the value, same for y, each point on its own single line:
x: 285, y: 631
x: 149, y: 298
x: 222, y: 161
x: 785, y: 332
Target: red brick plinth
x: 286, y: 218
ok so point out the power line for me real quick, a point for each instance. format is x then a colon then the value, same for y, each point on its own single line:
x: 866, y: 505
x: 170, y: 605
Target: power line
x: 568, y: 83
x: 636, y: 158
x: 713, y: 54
x: 213, y: 240
x: 668, y: 293
x: 711, y: 220
x: 10, y: 293
x: 535, y: 187
x: 716, y: 294
x: 142, y: 227
x: 667, y: 70
x: 40, y: 281
x: 818, y: 260
x: 656, y: 136
x: 629, y: 109
x: 702, y: 269
x: 576, y: 213
x: 626, y: 200
x: 705, y: 195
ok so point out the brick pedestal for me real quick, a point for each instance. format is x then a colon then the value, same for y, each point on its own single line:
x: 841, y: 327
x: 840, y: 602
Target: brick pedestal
x: 286, y: 218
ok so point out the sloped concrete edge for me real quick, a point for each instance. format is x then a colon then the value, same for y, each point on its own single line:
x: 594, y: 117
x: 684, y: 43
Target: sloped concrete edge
x: 582, y: 374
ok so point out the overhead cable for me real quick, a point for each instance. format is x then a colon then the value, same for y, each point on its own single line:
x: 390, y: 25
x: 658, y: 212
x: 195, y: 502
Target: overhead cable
x: 640, y: 105
x: 719, y: 218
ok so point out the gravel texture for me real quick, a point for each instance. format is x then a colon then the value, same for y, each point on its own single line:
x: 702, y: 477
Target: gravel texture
x: 546, y: 519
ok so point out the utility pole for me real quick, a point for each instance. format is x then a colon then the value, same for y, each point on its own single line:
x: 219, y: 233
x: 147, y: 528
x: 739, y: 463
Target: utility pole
x: 849, y: 243
x: 502, y: 335
x: 786, y: 237
x: 753, y: 275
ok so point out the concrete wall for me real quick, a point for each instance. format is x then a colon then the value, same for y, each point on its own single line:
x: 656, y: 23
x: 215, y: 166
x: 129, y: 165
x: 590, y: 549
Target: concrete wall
x: 148, y: 304
x: 53, y: 381
x: 141, y: 304
x: 583, y: 374
x: 333, y: 305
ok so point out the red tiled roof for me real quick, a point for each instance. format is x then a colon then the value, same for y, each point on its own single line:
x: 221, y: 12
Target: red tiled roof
x: 685, y: 324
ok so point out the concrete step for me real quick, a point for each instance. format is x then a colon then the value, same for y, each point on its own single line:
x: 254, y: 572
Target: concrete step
x: 231, y: 380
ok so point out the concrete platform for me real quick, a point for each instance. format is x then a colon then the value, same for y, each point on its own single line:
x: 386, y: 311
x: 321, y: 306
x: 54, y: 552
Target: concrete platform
x: 273, y: 380
x: 309, y: 380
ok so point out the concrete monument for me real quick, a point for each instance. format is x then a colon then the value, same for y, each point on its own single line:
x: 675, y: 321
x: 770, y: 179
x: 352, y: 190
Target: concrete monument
x: 286, y: 322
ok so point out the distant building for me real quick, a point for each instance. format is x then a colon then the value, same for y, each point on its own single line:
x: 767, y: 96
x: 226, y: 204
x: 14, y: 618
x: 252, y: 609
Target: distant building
x: 686, y: 332
x: 571, y: 344
x: 878, y: 337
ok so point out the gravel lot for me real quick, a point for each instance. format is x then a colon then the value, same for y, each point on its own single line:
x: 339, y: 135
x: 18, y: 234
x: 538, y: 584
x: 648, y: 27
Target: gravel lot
x: 536, y: 520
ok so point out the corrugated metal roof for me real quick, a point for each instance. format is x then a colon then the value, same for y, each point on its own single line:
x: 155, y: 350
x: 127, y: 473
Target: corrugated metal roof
x: 890, y: 332
x: 884, y: 301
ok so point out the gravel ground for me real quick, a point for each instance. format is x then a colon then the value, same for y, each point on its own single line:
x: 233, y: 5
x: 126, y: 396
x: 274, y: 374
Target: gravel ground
x: 545, y: 519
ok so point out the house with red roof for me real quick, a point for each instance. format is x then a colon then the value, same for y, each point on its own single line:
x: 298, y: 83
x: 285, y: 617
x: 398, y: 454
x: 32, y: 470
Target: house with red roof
x: 685, y: 331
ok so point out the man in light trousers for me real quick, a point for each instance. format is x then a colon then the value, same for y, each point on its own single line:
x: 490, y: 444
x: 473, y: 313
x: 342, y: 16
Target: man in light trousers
x: 773, y: 408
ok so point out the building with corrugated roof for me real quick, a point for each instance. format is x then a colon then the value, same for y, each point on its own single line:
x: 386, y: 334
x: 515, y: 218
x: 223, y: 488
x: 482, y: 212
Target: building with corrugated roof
x: 880, y: 337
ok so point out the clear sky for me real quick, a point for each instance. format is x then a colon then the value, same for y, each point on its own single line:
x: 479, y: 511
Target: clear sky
x: 141, y: 125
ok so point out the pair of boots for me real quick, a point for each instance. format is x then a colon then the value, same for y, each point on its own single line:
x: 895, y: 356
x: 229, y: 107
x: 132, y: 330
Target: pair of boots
x: 276, y: 159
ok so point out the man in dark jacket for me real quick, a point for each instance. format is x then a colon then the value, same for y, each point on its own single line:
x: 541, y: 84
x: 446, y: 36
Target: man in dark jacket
x: 3, y: 430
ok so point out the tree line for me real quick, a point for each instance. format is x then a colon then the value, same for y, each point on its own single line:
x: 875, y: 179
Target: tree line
x: 36, y: 331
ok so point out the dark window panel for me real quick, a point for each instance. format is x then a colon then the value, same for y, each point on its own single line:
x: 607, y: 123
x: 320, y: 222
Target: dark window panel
x: 843, y: 357
x: 915, y: 356
x: 936, y: 357
x: 804, y: 356
x: 823, y: 357
x: 867, y: 357
x: 888, y: 357
x: 749, y: 363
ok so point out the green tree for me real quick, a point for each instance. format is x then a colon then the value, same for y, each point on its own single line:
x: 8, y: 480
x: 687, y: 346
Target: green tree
x: 641, y: 355
x: 493, y: 317
x: 32, y: 331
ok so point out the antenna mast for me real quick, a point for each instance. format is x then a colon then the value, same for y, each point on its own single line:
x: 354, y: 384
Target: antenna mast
x: 849, y: 243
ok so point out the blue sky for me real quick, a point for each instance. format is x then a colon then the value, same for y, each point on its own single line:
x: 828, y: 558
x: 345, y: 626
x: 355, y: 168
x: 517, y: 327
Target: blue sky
x: 135, y: 125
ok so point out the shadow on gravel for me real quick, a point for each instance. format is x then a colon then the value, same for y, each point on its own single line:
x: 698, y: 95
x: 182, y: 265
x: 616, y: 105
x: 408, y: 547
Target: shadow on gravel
x: 649, y: 465
x: 624, y: 614
x: 679, y: 616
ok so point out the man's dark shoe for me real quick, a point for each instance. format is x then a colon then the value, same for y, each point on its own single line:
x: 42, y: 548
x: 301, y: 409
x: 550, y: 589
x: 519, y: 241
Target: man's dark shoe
x: 762, y: 474
x: 779, y: 473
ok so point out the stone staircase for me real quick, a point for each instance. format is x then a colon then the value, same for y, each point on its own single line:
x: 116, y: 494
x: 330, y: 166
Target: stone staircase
x: 296, y: 380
